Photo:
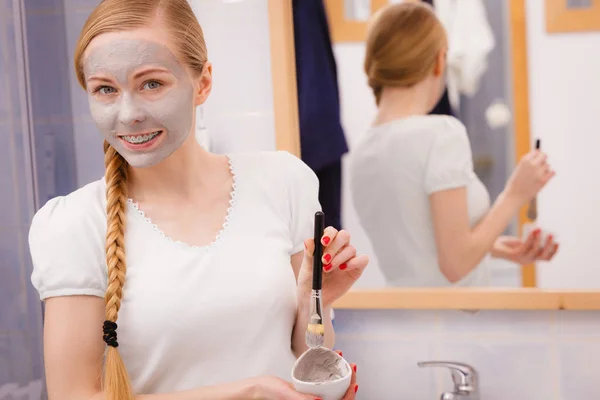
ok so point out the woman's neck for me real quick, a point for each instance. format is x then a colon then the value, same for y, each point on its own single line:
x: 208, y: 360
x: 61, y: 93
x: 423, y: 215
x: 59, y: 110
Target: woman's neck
x: 401, y: 102
x: 185, y: 174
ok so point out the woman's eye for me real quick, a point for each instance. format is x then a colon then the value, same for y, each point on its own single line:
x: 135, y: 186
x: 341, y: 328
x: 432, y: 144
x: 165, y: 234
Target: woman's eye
x: 151, y: 85
x: 106, y: 90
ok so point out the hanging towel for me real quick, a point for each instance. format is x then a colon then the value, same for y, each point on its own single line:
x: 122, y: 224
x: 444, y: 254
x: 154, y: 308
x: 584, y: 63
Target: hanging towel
x: 470, y: 41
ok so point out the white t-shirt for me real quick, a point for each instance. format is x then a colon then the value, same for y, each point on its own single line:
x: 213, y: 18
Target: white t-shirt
x: 393, y: 170
x: 192, y: 316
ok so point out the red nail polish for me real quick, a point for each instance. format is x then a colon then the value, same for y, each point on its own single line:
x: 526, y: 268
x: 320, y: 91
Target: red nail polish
x: 340, y: 353
x: 327, y: 258
x: 326, y: 240
x: 355, y: 388
x: 327, y: 267
x: 343, y: 266
x: 354, y: 367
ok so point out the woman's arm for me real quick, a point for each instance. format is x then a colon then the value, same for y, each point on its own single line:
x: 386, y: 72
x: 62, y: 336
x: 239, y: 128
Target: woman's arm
x: 74, y: 349
x: 460, y: 248
x: 298, y: 335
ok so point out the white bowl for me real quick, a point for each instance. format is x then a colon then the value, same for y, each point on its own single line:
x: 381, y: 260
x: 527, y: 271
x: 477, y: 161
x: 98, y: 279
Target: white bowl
x: 313, y: 374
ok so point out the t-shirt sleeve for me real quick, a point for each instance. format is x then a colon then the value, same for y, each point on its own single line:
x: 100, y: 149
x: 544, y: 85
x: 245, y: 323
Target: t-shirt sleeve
x: 66, y: 251
x: 450, y: 161
x: 303, y: 199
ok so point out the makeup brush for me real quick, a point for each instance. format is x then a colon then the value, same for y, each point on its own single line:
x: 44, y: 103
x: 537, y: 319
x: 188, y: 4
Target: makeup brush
x: 315, y: 332
x: 532, y: 210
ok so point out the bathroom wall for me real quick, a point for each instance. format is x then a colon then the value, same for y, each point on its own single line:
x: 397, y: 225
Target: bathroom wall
x: 239, y: 112
x: 564, y: 111
x: 520, y: 355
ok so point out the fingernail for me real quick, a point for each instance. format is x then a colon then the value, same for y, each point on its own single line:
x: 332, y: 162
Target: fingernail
x: 537, y: 231
x: 327, y: 267
x: 327, y: 258
x: 340, y: 353
x: 354, y: 367
x: 355, y: 388
x: 343, y: 266
x: 326, y: 240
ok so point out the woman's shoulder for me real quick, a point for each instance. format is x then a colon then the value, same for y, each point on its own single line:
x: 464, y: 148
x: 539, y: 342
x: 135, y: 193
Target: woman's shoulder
x: 66, y: 243
x: 273, y: 165
x: 71, y: 213
x: 447, y: 125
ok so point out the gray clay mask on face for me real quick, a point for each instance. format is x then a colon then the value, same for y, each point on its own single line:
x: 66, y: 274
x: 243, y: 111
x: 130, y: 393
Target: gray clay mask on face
x: 129, y: 107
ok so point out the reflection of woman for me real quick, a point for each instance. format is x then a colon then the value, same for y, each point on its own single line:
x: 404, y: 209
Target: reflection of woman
x: 426, y: 213
x: 214, y: 301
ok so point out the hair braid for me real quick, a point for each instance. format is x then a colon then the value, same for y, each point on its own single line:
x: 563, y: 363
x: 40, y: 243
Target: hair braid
x: 116, y: 382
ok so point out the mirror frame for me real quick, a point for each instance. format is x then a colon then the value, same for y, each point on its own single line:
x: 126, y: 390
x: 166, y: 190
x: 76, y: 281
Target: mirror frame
x: 287, y: 135
x: 561, y: 19
x: 283, y: 71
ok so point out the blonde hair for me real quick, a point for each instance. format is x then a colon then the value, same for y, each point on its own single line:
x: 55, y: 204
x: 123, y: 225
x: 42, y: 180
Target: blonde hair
x: 111, y: 16
x: 403, y: 42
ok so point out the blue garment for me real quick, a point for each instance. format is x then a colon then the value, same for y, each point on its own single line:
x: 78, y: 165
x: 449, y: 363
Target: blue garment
x: 322, y: 139
x: 321, y: 134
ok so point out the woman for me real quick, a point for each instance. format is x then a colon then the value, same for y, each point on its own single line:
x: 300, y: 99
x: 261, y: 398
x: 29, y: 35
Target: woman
x: 425, y: 211
x: 214, y: 301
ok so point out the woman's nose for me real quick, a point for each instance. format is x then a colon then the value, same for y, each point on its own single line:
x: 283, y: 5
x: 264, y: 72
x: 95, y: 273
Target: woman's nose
x: 130, y: 112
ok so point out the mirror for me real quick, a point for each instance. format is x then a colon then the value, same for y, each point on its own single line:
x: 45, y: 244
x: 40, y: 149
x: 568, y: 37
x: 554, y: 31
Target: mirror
x: 515, y: 94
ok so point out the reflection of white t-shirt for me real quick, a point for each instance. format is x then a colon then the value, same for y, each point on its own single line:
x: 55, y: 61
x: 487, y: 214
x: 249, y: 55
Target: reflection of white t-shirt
x: 393, y: 170
x: 192, y: 316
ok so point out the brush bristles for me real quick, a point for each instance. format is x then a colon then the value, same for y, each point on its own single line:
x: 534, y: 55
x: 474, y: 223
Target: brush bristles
x: 317, y: 329
x: 315, y: 335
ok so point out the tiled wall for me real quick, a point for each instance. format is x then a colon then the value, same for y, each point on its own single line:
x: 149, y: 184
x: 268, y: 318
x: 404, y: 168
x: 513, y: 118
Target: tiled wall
x: 520, y: 355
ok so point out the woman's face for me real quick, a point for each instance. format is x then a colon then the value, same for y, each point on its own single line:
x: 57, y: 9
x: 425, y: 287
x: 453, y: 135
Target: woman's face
x: 141, y: 96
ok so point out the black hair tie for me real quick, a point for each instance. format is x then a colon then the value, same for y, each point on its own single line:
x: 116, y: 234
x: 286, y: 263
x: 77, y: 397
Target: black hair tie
x: 110, y: 333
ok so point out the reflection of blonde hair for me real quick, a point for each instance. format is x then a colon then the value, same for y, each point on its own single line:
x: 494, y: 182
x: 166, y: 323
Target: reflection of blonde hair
x: 403, y: 41
x: 111, y: 16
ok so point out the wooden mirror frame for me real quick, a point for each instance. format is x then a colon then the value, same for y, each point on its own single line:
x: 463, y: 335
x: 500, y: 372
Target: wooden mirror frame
x: 283, y: 70
x: 288, y: 138
x: 562, y: 19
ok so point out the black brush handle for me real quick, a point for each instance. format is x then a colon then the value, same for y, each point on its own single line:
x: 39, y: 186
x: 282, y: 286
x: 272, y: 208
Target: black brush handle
x: 318, y: 254
x: 537, y: 144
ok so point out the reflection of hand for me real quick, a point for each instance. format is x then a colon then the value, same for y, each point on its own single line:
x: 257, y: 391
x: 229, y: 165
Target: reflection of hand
x: 351, y: 393
x: 341, y: 265
x: 529, y: 177
x: 525, y: 252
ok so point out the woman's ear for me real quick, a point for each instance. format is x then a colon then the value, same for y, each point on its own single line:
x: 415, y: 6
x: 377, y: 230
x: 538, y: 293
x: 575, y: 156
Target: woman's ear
x: 440, y: 63
x: 203, y: 85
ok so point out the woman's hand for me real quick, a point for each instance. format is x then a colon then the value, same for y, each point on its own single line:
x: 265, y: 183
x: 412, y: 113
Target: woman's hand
x: 529, y: 177
x: 351, y: 392
x: 525, y: 252
x: 341, y: 265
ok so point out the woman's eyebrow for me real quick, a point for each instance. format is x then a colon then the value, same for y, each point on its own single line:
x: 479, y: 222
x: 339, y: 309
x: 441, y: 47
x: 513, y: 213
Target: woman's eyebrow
x: 149, y: 71
x: 99, y: 78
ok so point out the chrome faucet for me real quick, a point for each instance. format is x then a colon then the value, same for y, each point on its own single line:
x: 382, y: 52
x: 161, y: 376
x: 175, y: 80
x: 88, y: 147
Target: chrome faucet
x: 465, y: 378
